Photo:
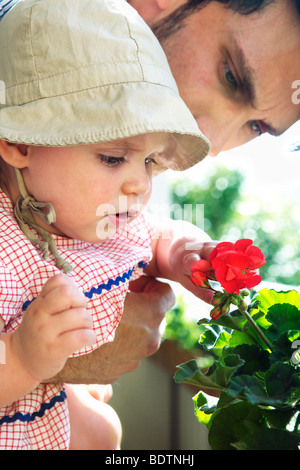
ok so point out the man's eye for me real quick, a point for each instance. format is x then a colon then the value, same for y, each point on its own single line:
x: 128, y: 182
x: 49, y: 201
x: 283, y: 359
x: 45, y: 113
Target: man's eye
x: 111, y: 161
x: 255, y: 127
x: 229, y: 77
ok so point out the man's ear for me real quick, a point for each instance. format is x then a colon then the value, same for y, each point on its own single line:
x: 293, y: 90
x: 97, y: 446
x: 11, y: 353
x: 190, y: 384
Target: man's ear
x: 150, y: 10
x: 14, y: 154
x: 170, y: 5
x: 163, y: 4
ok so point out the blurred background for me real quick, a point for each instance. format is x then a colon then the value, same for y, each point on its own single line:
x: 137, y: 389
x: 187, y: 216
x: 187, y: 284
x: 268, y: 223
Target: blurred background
x: 249, y: 192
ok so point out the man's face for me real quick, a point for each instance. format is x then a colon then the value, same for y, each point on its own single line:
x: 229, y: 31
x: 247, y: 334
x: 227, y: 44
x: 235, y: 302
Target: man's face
x: 235, y: 72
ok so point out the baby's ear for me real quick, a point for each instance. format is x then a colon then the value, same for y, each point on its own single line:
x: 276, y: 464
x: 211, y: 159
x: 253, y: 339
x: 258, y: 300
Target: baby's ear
x: 14, y: 154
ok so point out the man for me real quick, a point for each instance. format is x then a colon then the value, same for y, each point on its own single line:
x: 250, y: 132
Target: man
x: 234, y: 62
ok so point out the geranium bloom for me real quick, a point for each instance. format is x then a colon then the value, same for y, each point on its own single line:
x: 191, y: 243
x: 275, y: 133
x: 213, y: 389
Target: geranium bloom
x: 235, y: 265
x: 201, y: 272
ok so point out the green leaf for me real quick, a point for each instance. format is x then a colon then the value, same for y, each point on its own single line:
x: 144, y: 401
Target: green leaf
x: 272, y: 439
x: 205, y: 406
x: 283, y: 383
x: 233, y: 321
x: 243, y: 426
x: 248, y: 388
x: 189, y: 373
x: 232, y: 424
x: 255, y: 359
x: 282, y: 386
x: 286, y: 419
x: 216, y: 377
x: 269, y: 297
x: 227, y: 330
x: 238, y: 338
x: 213, y: 337
x: 283, y: 317
x: 283, y: 346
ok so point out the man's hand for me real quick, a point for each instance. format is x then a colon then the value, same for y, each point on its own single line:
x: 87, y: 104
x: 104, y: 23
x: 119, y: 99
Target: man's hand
x: 138, y: 335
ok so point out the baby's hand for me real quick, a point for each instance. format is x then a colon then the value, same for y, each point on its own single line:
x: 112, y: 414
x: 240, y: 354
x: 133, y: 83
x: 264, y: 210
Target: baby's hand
x: 183, y: 255
x: 55, y: 325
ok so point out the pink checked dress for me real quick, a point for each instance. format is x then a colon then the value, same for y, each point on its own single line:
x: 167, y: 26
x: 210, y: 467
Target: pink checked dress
x: 102, y: 271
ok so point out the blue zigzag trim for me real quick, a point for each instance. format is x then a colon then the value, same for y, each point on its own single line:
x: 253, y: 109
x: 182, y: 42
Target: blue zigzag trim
x: 113, y: 282
x: 107, y: 286
x: 28, y: 417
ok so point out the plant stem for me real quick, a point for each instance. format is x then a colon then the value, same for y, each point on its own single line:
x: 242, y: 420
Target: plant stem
x: 256, y: 327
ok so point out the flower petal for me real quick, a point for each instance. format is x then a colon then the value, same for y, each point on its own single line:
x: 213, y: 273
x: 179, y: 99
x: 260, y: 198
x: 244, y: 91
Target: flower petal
x: 201, y: 265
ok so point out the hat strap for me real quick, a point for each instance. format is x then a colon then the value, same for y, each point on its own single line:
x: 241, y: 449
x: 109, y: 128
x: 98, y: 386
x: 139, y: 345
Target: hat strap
x: 23, y: 209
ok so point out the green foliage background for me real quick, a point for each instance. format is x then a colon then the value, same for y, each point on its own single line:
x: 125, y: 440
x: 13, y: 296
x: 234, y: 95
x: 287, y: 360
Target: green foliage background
x: 276, y: 233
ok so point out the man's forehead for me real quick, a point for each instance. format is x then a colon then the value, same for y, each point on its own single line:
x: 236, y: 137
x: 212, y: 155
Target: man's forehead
x: 276, y: 26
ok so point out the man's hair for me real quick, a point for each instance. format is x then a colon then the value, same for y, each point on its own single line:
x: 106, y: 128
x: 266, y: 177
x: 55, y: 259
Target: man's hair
x: 167, y: 26
x: 244, y: 7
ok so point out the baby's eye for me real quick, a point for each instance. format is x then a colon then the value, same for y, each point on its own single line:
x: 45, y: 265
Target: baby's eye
x: 111, y: 161
x: 149, y: 160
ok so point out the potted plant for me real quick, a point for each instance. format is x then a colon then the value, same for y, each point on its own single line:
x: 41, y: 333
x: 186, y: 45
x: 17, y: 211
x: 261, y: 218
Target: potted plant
x: 255, y: 346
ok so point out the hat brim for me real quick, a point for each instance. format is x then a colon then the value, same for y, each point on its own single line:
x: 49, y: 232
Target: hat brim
x: 84, y: 117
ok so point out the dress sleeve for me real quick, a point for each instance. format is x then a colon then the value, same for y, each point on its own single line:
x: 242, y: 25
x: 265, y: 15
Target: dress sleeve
x: 11, y: 298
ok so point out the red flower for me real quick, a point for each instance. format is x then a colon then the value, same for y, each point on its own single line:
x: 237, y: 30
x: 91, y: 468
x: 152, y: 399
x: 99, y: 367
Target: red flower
x: 201, y: 272
x: 235, y: 265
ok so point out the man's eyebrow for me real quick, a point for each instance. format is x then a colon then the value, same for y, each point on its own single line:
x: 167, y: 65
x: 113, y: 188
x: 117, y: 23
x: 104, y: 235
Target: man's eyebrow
x: 247, y: 78
x: 246, y: 73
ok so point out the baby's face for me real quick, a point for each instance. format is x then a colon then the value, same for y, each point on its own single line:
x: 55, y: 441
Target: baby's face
x: 94, y: 188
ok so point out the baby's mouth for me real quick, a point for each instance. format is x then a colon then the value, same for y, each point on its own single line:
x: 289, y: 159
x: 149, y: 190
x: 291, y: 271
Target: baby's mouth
x: 123, y: 218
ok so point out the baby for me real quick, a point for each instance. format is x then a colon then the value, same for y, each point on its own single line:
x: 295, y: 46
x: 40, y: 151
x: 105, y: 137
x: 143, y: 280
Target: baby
x: 91, y: 112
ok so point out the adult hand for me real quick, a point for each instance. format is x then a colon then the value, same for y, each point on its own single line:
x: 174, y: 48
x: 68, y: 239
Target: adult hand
x: 138, y: 335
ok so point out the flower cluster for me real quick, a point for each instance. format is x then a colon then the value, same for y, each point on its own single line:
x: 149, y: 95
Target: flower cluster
x: 234, y: 266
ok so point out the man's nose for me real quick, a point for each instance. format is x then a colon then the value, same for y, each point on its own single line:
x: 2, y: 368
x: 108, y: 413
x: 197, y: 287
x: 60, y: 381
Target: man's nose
x: 225, y: 133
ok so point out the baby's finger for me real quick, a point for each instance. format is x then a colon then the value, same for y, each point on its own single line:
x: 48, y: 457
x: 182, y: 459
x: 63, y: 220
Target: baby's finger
x: 72, y: 341
x: 55, y: 281
x: 188, y: 262
x: 61, y: 297
x: 202, y: 293
x: 69, y: 320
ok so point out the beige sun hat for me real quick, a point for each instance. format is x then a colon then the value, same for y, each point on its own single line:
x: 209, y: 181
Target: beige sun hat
x: 87, y: 71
